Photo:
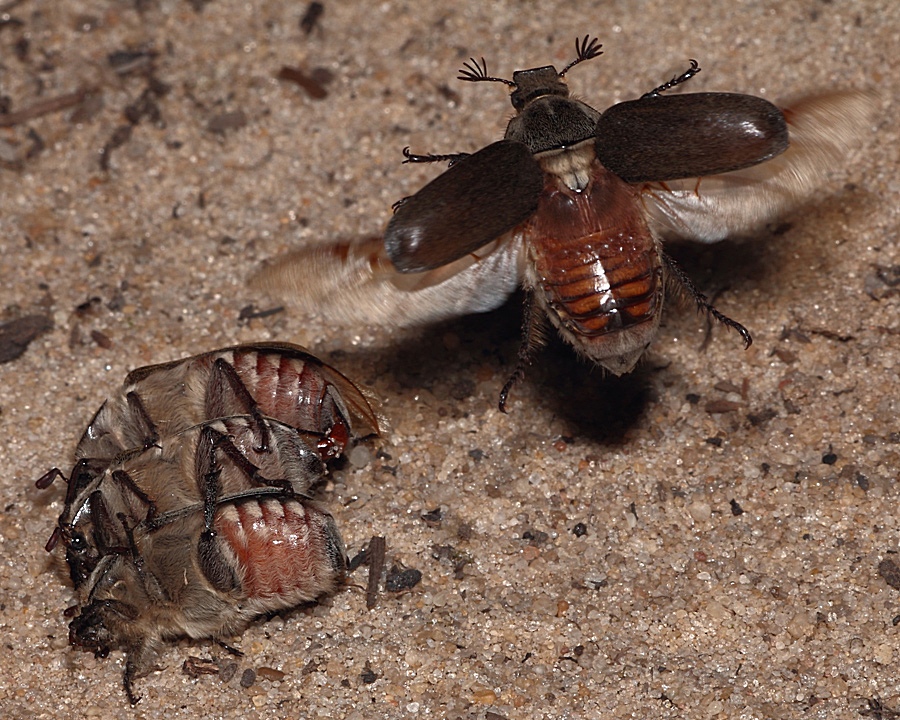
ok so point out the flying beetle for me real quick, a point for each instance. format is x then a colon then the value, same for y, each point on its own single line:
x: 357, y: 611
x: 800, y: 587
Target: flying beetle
x: 573, y: 205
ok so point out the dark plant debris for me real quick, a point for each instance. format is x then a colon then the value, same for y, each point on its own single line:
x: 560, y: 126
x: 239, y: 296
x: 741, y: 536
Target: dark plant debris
x: 17, y: 335
x: 400, y: 578
x: 195, y: 666
x: 890, y: 573
x: 312, y: 17
x: 43, y: 107
x: 375, y: 554
x: 313, y: 83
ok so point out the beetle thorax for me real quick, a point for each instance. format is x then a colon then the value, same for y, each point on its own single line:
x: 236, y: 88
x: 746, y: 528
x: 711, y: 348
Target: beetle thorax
x: 552, y: 122
x: 571, y: 165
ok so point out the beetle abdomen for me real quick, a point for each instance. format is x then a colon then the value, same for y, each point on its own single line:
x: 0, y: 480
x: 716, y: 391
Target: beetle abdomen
x: 597, y: 266
x: 300, y: 390
x: 288, y: 388
x: 610, y: 283
x: 286, y: 552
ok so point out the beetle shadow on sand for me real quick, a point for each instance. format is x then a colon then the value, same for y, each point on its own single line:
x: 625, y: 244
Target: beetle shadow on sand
x: 714, y: 268
x: 451, y: 359
x: 598, y: 406
x: 604, y: 407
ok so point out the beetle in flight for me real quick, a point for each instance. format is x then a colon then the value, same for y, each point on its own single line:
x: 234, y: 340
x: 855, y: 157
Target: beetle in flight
x: 573, y: 205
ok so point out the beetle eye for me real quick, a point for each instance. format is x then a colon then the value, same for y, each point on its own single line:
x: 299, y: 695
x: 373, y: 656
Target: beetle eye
x: 77, y: 542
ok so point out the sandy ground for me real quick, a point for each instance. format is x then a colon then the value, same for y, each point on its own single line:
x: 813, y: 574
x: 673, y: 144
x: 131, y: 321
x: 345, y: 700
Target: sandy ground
x: 703, y: 538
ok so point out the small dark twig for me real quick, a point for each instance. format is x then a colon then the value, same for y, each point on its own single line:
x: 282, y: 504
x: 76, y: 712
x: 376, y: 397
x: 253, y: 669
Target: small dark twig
x: 375, y: 555
x: 43, y: 107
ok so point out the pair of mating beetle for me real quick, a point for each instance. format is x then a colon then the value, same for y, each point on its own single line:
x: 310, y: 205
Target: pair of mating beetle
x: 185, y: 480
x: 186, y: 512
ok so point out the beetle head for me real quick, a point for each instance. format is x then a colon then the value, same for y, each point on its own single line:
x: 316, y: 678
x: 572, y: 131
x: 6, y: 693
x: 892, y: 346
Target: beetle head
x: 536, y: 83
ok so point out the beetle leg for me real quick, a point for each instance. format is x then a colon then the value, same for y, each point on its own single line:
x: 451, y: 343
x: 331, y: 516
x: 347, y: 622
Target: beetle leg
x: 253, y: 494
x: 151, y: 584
x: 148, y: 427
x: 209, y: 471
x: 229, y: 649
x: 128, y: 682
x: 86, y: 471
x: 702, y: 302
x: 225, y: 388
x: 106, y: 535
x: 676, y: 80
x: 397, y: 205
x: 451, y: 158
x: 224, y: 443
x: 532, y: 339
x: 124, y: 479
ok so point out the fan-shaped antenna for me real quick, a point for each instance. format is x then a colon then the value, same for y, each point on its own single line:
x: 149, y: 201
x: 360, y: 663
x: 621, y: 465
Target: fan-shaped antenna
x: 585, y: 49
x: 472, y: 71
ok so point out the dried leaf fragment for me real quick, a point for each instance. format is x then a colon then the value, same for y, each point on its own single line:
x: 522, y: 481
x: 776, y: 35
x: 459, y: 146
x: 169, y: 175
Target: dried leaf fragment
x: 16, y: 335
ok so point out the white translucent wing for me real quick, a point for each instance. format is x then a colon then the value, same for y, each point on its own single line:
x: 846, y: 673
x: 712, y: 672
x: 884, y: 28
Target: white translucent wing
x: 823, y: 129
x: 354, y: 282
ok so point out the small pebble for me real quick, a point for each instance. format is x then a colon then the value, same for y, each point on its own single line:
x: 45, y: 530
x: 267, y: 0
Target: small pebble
x: 248, y: 677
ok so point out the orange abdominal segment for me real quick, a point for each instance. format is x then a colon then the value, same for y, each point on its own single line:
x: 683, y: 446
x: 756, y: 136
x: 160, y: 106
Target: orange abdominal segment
x: 610, y: 284
x: 595, y: 258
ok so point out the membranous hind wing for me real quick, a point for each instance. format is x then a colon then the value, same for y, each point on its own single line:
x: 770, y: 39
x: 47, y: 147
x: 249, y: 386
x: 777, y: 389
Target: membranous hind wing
x: 822, y: 131
x: 352, y: 282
